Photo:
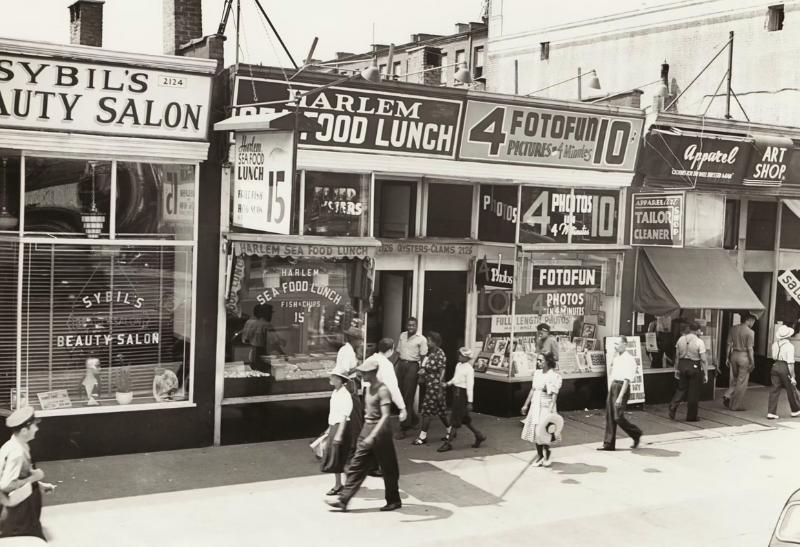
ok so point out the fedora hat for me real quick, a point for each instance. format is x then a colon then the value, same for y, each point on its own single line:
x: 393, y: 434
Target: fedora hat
x: 464, y: 354
x: 370, y: 365
x: 545, y: 437
x: 783, y: 332
x: 341, y: 375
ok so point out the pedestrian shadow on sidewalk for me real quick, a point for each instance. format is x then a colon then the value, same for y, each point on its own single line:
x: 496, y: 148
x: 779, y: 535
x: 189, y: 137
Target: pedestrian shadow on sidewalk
x: 577, y: 468
x: 657, y: 452
x: 426, y: 513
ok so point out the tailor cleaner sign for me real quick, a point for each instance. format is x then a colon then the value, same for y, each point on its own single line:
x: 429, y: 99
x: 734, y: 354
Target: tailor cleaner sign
x: 262, y: 186
x: 362, y: 120
x: 657, y: 220
x: 76, y: 97
x: 510, y: 133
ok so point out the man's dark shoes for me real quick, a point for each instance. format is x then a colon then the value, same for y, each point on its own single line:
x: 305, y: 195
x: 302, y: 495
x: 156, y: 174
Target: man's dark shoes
x: 337, y: 504
x: 446, y: 446
x: 605, y: 449
x: 672, y: 412
x: 636, y: 442
x: 726, y: 402
x: 478, y: 441
x: 391, y: 506
x: 375, y: 473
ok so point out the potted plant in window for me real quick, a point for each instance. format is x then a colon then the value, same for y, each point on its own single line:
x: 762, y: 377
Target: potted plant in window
x: 124, y: 395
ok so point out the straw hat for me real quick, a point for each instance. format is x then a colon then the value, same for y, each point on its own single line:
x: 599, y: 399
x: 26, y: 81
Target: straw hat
x: 464, y: 355
x: 545, y: 437
x: 783, y: 332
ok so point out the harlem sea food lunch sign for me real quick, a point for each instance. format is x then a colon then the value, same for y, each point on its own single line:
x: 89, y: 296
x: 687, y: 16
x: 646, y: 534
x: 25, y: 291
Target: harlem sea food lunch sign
x: 362, y: 120
x: 82, y: 97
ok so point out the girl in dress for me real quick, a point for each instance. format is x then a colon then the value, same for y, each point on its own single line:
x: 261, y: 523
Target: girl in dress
x: 343, y: 427
x: 432, y: 376
x: 541, y: 403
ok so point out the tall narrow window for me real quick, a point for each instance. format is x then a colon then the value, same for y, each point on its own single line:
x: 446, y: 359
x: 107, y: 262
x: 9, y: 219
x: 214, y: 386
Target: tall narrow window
x: 443, y: 71
x: 461, y: 59
x: 477, y: 62
x: 544, y: 51
x: 775, y: 16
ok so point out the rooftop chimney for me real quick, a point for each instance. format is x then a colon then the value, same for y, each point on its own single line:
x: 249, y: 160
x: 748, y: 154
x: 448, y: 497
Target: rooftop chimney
x: 86, y: 23
x: 462, y: 28
x: 183, y: 23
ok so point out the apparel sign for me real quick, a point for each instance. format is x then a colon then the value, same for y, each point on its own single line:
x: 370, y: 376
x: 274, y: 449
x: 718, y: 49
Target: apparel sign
x: 497, y: 216
x: 657, y: 220
x: 769, y: 161
x: 363, y: 120
x: 507, y: 133
x: 552, y: 215
x: 492, y: 274
x: 566, y: 277
x: 690, y: 159
x: 791, y: 284
x: 80, y: 97
x: 262, y: 186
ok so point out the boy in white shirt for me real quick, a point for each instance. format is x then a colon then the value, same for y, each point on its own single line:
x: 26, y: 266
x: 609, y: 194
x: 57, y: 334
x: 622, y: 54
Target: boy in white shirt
x: 463, y: 382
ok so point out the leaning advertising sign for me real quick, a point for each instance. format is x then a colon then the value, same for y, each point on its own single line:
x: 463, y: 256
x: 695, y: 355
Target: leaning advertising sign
x: 82, y: 97
x: 512, y: 133
x: 657, y: 219
x: 262, y: 187
x: 362, y: 120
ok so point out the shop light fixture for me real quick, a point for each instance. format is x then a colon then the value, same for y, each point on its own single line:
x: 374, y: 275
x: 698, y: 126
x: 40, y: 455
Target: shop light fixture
x: 594, y: 83
x: 93, y: 219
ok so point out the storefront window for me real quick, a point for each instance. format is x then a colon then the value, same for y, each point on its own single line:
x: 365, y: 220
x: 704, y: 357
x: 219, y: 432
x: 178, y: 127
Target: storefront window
x: 497, y: 213
x: 155, y: 200
x: 731, y: 236
x: 557, y: 215
x: 790, y: 224
x: 286, y: 317
x: 99, y: 319
x: 67, y: 198
x: 761, y: 219
x: 449, y: 210
x: 9, y: 193
x: 336, y: 204
x: 574, y: 293
x: 9, y: 256
x: 395, y: 209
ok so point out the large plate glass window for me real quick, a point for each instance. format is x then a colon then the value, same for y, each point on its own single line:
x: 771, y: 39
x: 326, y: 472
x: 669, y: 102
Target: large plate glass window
x: 336, y: 204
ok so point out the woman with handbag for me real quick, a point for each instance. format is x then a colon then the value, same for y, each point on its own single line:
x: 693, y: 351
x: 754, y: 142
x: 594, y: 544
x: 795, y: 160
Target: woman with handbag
x: 344, y: 423
x: 539, y: 405
x: 431, y: 376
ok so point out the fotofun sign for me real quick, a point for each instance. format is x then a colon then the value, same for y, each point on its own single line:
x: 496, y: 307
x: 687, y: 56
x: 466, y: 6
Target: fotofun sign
x: 78, y: 97
x: 262, y: 187
x: 363, y: 120
x: 510, y: 133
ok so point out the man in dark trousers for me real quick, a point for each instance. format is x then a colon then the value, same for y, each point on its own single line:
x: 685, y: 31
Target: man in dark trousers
x: 411, y: 348
x: 741, y: 360
x: 623, y: 371
x: 691, y: 371
x: 375, y: 444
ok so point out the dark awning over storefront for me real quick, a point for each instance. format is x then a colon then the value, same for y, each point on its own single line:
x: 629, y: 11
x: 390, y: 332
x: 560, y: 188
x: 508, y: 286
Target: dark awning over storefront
x: 672, y: 279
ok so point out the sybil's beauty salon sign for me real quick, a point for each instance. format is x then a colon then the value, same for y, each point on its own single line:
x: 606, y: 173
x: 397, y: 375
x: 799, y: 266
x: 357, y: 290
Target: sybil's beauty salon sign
x: 82, y: 97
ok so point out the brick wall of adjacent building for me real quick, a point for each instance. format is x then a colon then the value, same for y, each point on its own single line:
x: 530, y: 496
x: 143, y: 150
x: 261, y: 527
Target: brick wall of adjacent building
x: 86, y: 23
x: 183, y: 22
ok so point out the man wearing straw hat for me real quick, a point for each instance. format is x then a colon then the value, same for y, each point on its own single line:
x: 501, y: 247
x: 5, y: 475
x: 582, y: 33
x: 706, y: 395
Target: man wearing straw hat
x: 782, y: 373
x: 21, y: 483
x: 623, y: 371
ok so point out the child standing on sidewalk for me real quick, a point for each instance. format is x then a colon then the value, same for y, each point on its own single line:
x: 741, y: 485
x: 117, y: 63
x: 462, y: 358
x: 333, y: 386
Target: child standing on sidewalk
x: 463, y: 382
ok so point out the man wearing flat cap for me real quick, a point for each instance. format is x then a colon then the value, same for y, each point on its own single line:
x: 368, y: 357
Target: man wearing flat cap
x: 21, y: 483
x: 545, y: 343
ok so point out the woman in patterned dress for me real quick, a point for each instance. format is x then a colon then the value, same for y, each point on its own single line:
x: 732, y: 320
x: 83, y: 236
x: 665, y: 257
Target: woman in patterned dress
x: 431, y: 374
x: 541, y: 403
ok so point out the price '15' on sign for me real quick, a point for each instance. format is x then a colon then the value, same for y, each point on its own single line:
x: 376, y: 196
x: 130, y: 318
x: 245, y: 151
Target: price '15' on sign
x: 543, y: 136
x: 552, y: 215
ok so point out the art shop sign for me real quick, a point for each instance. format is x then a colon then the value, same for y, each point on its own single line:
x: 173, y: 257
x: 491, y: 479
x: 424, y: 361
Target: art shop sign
x: 658, y: 219
x: 527, y: 135
x: 112, y: 99
x: 769, y: 161
x: 492, y: 274
x: 362, y: 120
x: 553, y: 215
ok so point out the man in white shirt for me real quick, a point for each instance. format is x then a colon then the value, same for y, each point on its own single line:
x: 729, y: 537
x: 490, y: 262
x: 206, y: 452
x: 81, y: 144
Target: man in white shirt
x: 782, y: 373
x: 691, y: 371
x: 623, y: 371
x: 411, y: 347
x: 21, y: 483
x: 386, y: 374
x: 346, y: 358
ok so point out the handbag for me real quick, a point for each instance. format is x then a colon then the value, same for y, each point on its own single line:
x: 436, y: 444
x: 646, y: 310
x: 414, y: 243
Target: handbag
x: 319, y: 445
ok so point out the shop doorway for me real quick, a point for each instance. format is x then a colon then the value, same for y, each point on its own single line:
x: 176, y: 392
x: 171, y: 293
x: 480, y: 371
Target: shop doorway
x: 761, y: 284
x: 444, y: 310
x: 391, y: 306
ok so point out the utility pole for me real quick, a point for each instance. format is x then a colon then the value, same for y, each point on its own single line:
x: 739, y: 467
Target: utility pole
x: 730, y: 75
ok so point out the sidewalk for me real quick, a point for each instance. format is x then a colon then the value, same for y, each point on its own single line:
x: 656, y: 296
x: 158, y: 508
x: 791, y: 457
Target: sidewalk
x: 150, y: 473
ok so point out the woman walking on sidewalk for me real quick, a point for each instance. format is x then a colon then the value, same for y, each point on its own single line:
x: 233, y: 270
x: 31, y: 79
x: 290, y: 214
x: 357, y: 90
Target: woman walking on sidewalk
x: 344, y: 423
x: 540, y: 404
x: 782, y: 373
x: 463, y: 382
x: 432, y: 375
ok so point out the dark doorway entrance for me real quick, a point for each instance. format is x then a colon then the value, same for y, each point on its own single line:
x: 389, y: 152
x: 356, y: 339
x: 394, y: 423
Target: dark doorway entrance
x: 445, y: 310
x: 392, y: 305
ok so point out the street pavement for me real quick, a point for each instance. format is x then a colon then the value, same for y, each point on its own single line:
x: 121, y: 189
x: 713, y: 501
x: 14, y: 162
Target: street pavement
x: 721, y: 481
